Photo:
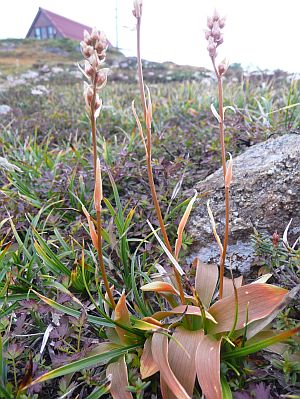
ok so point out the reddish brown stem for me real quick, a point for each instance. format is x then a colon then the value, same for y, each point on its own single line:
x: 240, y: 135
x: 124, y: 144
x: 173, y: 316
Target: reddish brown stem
x: 99, y: 246
x: 226, y: 234
x: 221, y: 125
x: 149, y: 161
x: 93, y: 127
x: 223, y: 155
x: 140, y: 68
x: 101, y: 262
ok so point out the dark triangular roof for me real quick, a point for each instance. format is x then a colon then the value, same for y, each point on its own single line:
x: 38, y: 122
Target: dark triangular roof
x: 65, y: 26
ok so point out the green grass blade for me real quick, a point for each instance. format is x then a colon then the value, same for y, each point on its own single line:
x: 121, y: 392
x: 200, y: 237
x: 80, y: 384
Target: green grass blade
x: 117, y: 198
x: 2, y: 376
x: 84, y: 363
x: 98, y: 392
x: 99, y: 321
x: 226, y: 391
x: 4, y: 393
x: 257, y: 346
x: 19, y: 241
x: 49, y: 257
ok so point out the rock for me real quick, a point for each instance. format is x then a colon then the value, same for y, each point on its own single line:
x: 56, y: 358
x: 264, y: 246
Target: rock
x: 265, y: 194
x: 39, y: 90
x: 29, y: 75
x: 45, y: 69
x: 56, y: 70
x: 77, y: 74
x: 5, y: 109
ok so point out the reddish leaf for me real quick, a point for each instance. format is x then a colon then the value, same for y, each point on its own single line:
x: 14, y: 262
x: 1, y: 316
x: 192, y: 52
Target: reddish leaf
x: 148, y: 365
x: 93, y: 233
x: 259, y: 300
x: 160, y: 286
x: 182, y: 225
x: 98, y: 188
x: 207, y: 361
x: 119, y: 379
x: 159, y: 349
x: 206, y: 282
x: 259, y: 325
x: 122, y: 316
x: 228, y: 285
x: 182, y: 358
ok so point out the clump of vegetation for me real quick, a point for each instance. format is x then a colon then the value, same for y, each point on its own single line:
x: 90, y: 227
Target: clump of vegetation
x: 103, y: 307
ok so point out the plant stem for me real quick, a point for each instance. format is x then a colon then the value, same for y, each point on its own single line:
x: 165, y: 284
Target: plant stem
x: 149, y: 160
x: 225, y: 242
x: 221, y: 124
x: 101, y: 262
x: 223, y: 156
x: 93, y: 127
x: 140, y: 67
x: 99, y: 247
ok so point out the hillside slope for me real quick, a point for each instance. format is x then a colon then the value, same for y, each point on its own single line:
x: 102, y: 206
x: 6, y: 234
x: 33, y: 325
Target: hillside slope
x: 19, y: 55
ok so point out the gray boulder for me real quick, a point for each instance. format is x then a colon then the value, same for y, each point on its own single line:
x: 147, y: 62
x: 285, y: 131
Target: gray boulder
x: 265, y: 194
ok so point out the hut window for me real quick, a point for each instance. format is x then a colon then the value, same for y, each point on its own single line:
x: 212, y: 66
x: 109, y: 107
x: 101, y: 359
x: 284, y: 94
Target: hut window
x: 37, y: 33
x: 51, y: 32
x: 44, y: 32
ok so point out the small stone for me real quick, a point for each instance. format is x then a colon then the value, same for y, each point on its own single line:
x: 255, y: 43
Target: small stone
x: 5, y: 109
x: 57, y: 70
x: 45, y: 69
x: 39, y: 90
x: 30, y: 75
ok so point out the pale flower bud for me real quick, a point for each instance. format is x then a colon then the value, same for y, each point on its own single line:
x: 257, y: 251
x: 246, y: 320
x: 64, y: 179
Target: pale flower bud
x: 222, y: 68
x: 210, y: 22
x: 212, y: 50
x: 137, y: 8
x: 216, y: 15
x: 86, y: 50
x: 211, y: 47
x: 88, y: 69
x: 98, y: 102
x: 94, y: 35
x: 222, y: 22
x: 221, y: 40
x: 216, y: 31
x: 86, y: 36
x: 94, y: 60
x: 207, y: 34
x: 88, y: 95
x: 101, y: 78
x: 99, y: 47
